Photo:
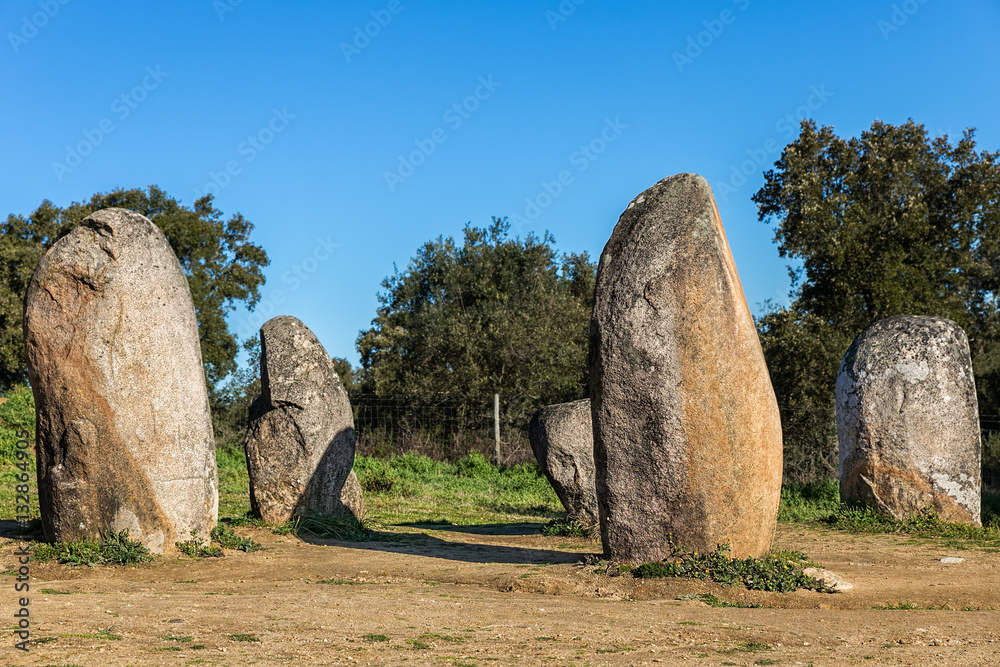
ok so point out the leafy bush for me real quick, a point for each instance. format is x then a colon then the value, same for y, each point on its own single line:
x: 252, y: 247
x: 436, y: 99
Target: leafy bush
x: 778, y: 572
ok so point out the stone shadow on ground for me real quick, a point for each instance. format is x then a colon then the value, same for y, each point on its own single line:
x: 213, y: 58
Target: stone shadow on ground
x: 422, y: 544
x: 479, y: 529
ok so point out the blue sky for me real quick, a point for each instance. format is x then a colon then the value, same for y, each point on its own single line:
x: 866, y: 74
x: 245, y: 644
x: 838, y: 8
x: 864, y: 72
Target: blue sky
x: 351, y: 132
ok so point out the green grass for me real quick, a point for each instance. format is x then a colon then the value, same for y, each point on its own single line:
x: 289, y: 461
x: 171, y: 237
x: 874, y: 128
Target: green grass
x: 809, y: 502
x: 197, y: 548
x: 345, y: 528
x: 778, y: 572
x: 242, y: 638
x: 416, y: 489
x: 113, y: 549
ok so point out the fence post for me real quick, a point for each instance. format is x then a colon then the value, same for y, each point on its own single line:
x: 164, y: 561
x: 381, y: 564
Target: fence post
x: 496, y: 428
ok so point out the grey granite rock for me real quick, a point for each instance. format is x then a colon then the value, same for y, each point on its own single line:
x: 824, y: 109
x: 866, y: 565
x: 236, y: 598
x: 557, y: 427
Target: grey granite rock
x: 124, y: 431
x: 300, y: 439
x: 562, y: 439
x: 908, y: 420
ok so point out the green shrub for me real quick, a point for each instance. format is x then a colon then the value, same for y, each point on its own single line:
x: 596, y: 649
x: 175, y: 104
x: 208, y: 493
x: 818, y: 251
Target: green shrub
x: 778, y: 572
x: 809, y: 501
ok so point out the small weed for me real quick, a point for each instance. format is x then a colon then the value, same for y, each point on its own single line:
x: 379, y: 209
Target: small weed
x: 228, y: 539
x: 443, y: 638
x: 168, y: 648
x: 196, y: 548
x: 338, y: 582
x: 780, y: 572
x: 376, y: 638
x: 714, y: 601
x: 52, y: 591
x: 417, y: 644
x: 173, y: 638
x: 749, y: 647
x: 901, y: 605
x: 242, y: 638
x: 766, y: 661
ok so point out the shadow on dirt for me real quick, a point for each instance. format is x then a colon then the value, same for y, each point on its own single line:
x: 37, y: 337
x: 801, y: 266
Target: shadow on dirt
x: 429, y: 546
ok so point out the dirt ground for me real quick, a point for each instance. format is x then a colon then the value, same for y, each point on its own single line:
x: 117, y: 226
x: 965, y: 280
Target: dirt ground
x: 459, y: 595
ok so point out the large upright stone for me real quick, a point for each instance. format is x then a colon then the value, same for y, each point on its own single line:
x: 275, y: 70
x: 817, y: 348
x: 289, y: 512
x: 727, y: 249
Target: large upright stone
x: 124, y: 430
x: 908, y: 420
x: 300, y: 441
x: 687, y: 437
x: 562, y: 439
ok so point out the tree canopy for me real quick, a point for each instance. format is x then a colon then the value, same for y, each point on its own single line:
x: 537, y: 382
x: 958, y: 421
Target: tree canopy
x: 493, y: 314
x: 892, y: 222
x: 222, y: 266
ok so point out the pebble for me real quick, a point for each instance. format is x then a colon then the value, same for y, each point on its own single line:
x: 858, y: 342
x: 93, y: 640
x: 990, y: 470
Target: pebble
x: 952, y: 560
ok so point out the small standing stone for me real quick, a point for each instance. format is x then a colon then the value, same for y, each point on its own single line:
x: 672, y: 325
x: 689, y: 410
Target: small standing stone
x: 687, y: 437
x: 300, y: 440
x: 908, y: 420
x: 562, y: 439
x: 124, y: 437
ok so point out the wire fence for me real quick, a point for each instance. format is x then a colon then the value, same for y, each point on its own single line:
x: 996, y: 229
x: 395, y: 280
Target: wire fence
x: 442, y: 427
x: 451, y: 427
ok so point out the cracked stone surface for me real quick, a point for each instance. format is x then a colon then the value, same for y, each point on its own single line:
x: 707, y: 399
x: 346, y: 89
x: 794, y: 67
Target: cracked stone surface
x: 908, y: 420
x: 124, y: 430
x: 687, y: 437
x: 300, y: 439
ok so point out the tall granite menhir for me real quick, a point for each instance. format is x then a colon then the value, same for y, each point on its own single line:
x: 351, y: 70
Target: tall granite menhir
x: 908, y: 420
x: 687, y: 437
x: 124, y: 433
x: 300, y: 440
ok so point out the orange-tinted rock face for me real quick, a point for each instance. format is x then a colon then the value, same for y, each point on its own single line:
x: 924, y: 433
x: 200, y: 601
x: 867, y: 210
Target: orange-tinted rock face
x: 686, y: 426
x: 908, y: 420
x: 124, y: 434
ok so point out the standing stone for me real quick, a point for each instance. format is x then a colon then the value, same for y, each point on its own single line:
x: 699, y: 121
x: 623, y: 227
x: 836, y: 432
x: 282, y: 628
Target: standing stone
x: 123, y: 423
x: 908, y: 420
x: 687, y: 437
x: 300, y: 441
x: 562, y: 439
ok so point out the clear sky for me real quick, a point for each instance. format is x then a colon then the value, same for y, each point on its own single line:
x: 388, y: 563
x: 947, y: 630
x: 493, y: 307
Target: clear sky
x: 351, y: 132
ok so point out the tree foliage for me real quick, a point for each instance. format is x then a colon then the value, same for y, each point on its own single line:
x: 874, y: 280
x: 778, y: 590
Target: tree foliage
x: 222, y: 266
x: 493, y: 314
x: 888, y: 223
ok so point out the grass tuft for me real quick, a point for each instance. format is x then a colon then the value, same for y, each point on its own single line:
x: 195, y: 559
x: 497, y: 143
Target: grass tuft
x: 113, y: 549
x: 346, y: 528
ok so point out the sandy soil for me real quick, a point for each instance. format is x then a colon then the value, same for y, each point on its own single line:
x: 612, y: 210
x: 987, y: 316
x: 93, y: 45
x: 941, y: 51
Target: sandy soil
x: 504, y: 595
